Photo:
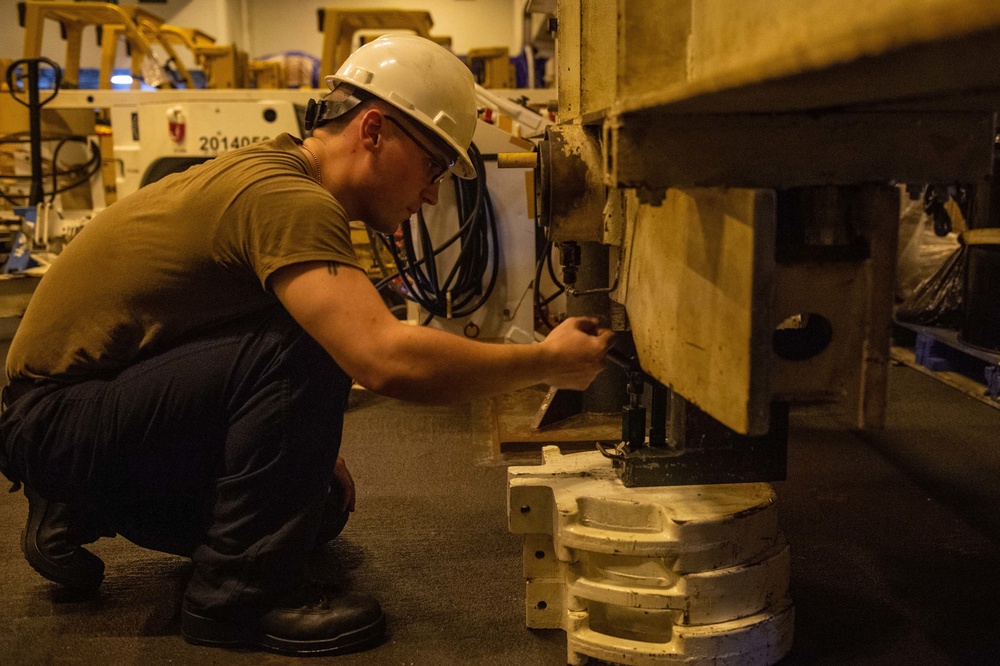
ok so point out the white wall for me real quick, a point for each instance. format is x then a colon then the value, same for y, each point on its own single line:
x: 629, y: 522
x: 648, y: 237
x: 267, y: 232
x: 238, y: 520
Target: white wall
x: 263, y: 27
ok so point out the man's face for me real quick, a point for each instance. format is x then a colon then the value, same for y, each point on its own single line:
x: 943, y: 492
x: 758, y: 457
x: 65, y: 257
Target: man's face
x: 414, y: 173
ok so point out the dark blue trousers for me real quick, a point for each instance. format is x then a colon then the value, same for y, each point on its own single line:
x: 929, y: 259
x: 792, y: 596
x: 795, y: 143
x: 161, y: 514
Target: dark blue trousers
x: 221, y: 448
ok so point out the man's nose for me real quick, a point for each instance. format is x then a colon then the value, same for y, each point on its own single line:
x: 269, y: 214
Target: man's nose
x: 429, y: 195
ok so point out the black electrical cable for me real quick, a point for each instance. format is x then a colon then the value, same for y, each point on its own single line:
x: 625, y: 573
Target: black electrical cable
x: 461, y: 291
x: 541, y: 302
x: 81, y: 172
x: 11, y: 201
x: 552, y: 270
x: 87, y: 169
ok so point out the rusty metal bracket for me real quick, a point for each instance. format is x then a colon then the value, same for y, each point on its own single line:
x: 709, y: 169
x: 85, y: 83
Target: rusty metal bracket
x: 571, y: 191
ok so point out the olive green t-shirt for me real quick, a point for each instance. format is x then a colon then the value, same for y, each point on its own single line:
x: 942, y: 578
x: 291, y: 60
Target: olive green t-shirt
x: 188, y: 252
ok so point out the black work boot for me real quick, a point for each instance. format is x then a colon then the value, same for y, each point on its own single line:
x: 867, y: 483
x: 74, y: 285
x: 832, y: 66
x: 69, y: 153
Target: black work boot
x: 309, y: 622
x: 51, y: 544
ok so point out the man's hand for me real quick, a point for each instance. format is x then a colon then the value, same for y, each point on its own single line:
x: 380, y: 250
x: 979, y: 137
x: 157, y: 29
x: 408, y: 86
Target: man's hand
x: 578, y: 347
x: 344, y: 482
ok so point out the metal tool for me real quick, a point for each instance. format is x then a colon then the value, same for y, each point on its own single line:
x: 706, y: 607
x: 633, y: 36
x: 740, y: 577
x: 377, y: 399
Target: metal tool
x: 683, y: 445
x: 34, y: 104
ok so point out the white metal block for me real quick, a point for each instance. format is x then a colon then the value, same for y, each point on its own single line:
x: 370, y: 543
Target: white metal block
x: 658, y: 575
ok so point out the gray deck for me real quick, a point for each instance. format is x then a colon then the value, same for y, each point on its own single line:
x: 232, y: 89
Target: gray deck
x: 891, y: 534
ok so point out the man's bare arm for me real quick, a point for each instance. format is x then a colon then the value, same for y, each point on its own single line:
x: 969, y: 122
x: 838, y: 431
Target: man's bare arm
x: 339, y: 307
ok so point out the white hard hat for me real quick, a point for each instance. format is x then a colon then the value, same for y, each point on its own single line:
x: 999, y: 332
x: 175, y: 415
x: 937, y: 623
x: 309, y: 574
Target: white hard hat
x: 423, y: 80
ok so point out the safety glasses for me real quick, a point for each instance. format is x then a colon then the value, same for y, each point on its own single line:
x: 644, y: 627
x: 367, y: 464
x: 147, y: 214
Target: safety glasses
x: 435, y: 169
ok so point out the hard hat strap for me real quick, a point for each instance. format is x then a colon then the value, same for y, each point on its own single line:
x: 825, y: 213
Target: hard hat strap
x: 333, y: 105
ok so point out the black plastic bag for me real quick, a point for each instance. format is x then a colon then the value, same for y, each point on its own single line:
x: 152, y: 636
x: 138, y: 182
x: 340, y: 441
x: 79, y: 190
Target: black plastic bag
x: 937, y: 301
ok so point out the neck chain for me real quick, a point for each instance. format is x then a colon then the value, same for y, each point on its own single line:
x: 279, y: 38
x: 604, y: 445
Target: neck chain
x: 319, y: 169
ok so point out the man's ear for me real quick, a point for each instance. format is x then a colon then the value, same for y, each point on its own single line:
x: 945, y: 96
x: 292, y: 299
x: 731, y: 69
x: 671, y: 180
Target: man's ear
x: 372, y: 123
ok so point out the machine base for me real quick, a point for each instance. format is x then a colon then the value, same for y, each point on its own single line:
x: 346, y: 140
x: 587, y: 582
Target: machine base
x: 655, y: 575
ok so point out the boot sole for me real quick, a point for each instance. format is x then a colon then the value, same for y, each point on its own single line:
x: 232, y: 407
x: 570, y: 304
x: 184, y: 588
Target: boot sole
x: 354, y: 641
x: 199, y: 630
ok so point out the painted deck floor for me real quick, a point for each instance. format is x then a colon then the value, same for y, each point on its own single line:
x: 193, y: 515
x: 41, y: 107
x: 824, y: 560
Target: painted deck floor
x: 892, y: 538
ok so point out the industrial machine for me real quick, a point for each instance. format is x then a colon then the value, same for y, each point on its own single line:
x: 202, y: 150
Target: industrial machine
x: 721, y: 184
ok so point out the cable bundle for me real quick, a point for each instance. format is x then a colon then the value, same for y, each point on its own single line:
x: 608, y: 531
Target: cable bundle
x: 79, y: 173
x: 461, y: 292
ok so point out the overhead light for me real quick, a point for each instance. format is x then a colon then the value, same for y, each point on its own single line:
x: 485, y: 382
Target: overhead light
x: 121, y: 79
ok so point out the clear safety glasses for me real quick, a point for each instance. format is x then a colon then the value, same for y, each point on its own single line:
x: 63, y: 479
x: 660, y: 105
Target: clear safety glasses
x: 434, y: 167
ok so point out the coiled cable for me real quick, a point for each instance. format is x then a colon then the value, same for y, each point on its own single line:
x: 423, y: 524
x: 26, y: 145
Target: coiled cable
x: 461, y: 291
